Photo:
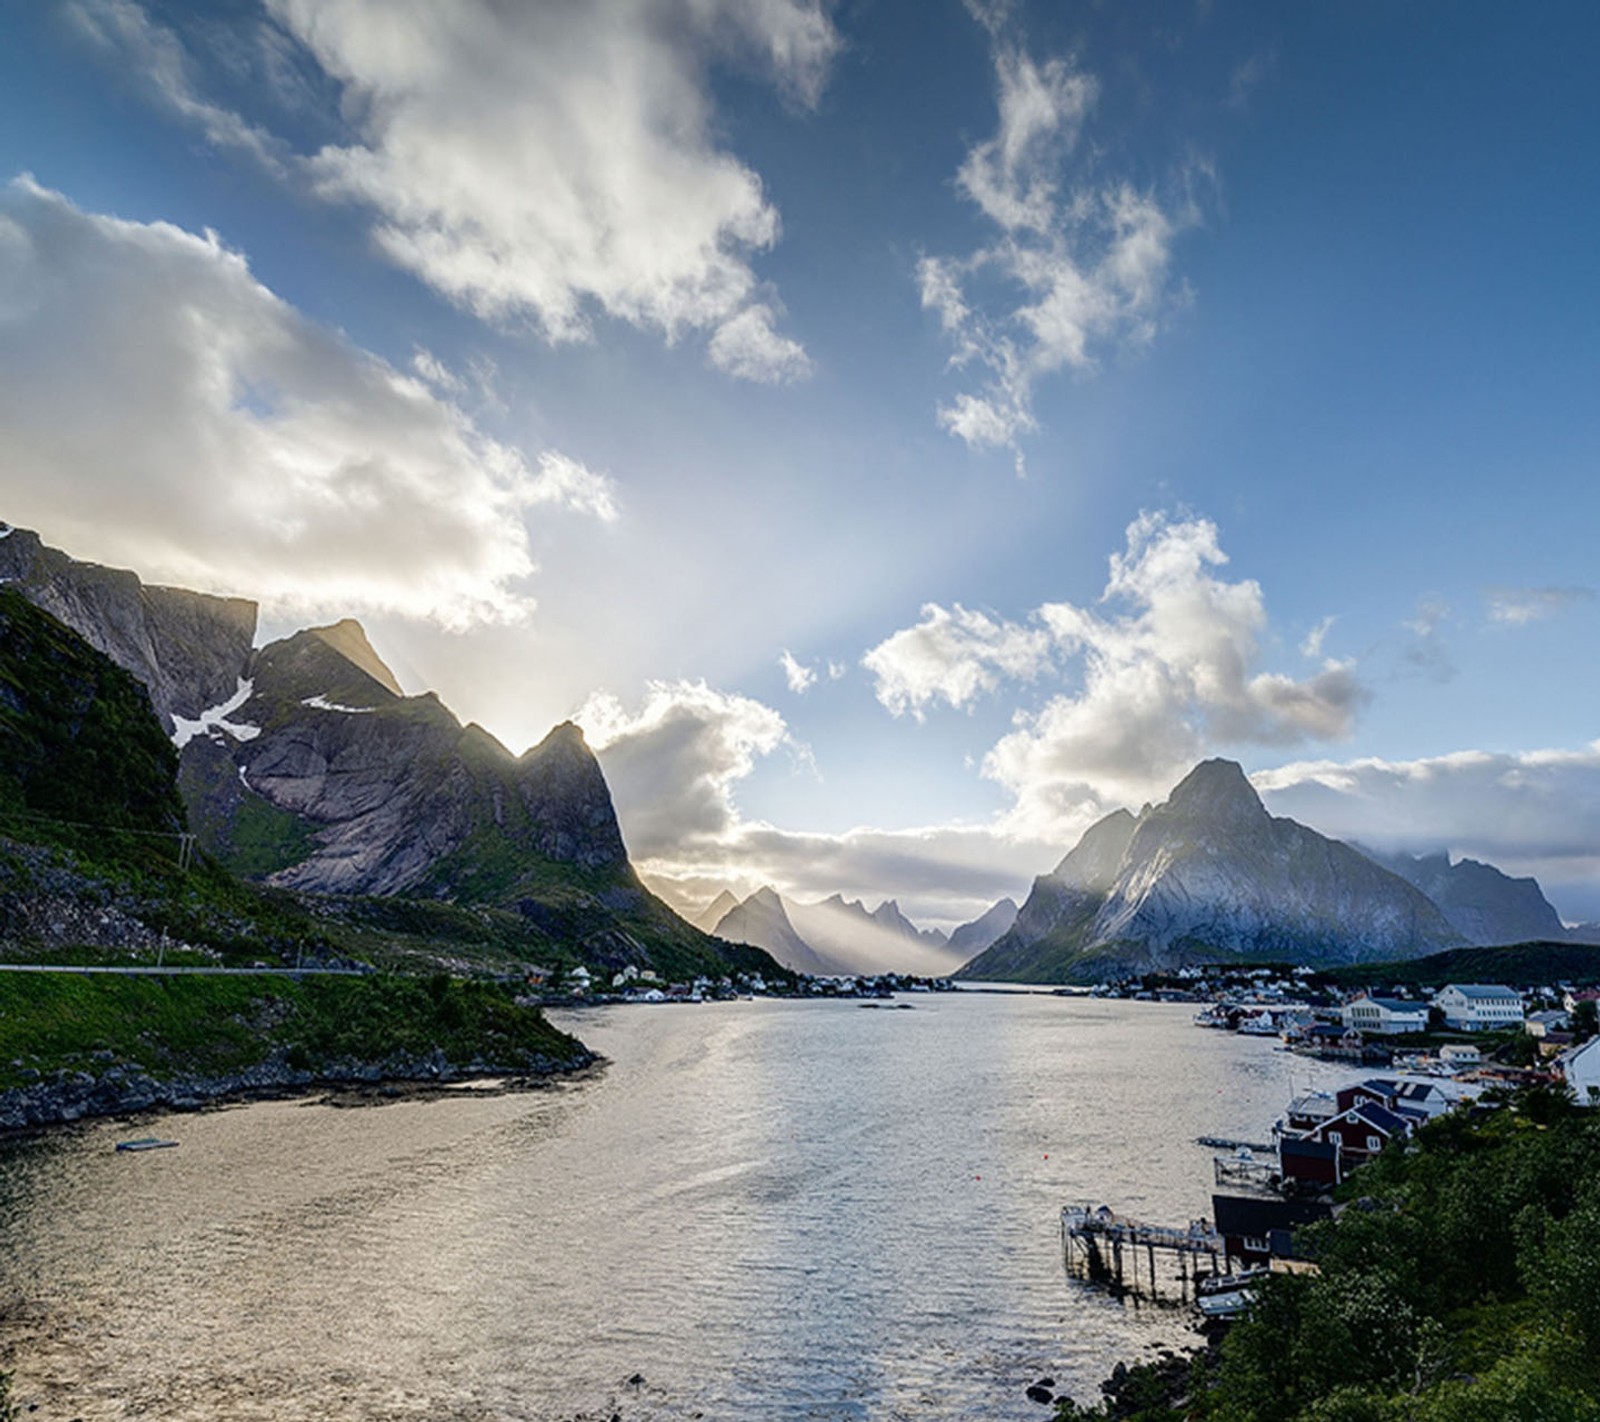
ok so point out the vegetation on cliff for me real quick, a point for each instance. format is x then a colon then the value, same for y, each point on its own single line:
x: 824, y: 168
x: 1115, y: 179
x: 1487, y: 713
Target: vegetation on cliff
x: 218, y: 1026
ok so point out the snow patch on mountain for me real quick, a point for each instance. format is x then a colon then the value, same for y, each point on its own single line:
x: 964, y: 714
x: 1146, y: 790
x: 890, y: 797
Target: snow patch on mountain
x: 215, y: 718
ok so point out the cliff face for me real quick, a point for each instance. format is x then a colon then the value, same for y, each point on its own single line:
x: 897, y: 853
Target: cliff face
x: 187, y: 648
x: 1485, y: 906
x: 304, y: 765
x: 1210, y: 874
x: 365, y: 791
x: 78, y: 741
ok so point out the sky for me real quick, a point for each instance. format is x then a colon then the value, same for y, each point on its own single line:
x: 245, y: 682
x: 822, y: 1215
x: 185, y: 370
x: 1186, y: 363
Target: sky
x: 898, y: 431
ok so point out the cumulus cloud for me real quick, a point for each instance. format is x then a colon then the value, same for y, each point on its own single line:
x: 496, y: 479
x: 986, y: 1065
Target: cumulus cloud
x: 1515, y: 607
x: 1533, y: 812
x: 1085, y: 268
x: 673, y: 763
x: 800, y: 677
x: 542, y: 164
x: 1170, y: 669
x: 954, y: 655
x: 550, y: 162
x: 161, y: 408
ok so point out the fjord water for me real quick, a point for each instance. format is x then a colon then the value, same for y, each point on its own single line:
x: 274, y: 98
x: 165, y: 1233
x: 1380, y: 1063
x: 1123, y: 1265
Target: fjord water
x: 808, y: 1210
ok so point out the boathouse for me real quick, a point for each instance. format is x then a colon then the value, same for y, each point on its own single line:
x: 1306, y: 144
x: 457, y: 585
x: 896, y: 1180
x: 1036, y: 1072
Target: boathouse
x: 1255, y: 1230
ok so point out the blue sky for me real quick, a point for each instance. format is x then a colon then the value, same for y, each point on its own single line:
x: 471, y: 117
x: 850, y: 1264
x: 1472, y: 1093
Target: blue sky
x: 598, y: 356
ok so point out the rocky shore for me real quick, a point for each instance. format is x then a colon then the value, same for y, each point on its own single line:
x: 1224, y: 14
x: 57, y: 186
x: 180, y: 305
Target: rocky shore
x: 118, y: 1088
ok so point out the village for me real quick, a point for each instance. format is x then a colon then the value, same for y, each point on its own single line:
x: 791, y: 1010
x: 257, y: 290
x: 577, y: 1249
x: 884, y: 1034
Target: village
x: 1432, y: 1054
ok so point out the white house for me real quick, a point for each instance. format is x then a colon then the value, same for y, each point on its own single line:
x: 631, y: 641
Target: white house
x: 1385, y: 1015
x: 1471, y: 1007
x: 1456, y: 1055
x: 1580, y: 1066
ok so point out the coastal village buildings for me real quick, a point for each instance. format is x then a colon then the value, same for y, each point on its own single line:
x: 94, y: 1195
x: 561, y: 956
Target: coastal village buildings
x: 1580, y: 1068
x: 1385, y: 1016
x: 1472, y: 1007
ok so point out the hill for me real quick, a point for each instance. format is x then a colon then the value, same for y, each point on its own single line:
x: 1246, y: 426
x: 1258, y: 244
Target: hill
x: 1520, y: 964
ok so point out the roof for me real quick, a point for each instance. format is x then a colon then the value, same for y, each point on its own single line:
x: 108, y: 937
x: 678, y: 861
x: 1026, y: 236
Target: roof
x: 1380, y: 1118
x: 1244, y: 1214
x: 1306, y: 1148
x: 1390, y: 1004
x: 1483, y: 990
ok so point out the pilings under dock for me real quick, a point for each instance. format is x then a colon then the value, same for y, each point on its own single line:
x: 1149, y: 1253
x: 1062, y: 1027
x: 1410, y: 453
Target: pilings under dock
x: 1104, y: 1247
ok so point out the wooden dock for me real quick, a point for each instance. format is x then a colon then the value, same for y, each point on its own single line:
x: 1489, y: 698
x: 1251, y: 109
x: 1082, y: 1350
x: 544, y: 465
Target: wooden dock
x: 1104, y: 1247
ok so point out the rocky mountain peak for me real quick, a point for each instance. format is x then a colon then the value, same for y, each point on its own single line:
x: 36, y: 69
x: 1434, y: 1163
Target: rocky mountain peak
x: 1218, y: 793
x: 188, y: 648
x: 349, y: 639
x: 1093, y: 862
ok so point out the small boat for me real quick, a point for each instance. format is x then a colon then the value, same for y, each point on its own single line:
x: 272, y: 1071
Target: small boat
x: 145, y: 1143
x: 1228, y: 1295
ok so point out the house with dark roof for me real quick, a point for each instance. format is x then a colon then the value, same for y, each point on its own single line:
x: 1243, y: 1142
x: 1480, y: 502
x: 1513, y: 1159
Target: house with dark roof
x: 1256, y: 1229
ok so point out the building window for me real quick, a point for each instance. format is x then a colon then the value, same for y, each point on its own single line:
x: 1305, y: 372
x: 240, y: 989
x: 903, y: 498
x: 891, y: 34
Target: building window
x: 1374, y: 1142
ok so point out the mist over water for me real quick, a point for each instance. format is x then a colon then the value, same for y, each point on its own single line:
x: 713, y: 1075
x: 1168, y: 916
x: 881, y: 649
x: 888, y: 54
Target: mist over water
x: 778, y: 1210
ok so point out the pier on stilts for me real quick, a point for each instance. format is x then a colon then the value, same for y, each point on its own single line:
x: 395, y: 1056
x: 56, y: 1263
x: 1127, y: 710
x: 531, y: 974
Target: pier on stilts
x: 1107, y: 1248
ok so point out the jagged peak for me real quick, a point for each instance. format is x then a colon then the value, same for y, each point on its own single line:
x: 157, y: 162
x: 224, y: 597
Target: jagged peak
x: 1216, y: 789
x: 349, y: 639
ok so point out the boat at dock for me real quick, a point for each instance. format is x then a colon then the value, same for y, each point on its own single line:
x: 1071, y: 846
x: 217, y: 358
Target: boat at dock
x: 146, y: 1143
x: 1228, y: 1295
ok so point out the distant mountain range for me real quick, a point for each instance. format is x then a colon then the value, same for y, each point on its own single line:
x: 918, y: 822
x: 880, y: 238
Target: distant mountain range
x: 302, y: 765
x: 842, y: 937
x: 1211, y: 874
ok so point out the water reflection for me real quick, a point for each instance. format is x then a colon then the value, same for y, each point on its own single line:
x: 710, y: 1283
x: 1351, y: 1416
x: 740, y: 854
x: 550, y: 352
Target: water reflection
x: 761, y: 1209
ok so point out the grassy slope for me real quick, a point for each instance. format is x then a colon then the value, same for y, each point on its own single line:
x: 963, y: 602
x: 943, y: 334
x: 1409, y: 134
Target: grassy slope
x: 208, y: 1025
x: 1522, y: 963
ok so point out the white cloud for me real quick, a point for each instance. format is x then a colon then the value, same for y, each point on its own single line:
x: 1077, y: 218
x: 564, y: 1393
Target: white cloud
x: 160, y: 408
x: 747, y: 346
x: 673, y: 763
x: 953, y: 655
x: 800, y: 677
x: 1312, y: 645
x: 1515, y: 607
x: 568, y: 484
x: 156, y: 58
x: 1086, y: 269
x: 1532, y: 812
x: 554, y: 161
x: 1172, y: 671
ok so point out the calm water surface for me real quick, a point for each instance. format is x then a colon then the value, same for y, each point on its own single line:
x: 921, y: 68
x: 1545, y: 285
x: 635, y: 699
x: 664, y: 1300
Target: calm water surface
x: 764, y: 1210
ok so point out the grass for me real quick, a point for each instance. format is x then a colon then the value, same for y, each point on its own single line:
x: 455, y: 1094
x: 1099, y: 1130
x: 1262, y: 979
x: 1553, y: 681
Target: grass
x: 167, y: 1026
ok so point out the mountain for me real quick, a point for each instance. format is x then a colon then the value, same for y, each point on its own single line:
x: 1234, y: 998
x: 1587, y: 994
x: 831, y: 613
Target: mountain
x: 1484, y: 905
x: 304, y: 766
x: 861, y: 942
x: 1209, y: 874
x: 714, y: 912
x: 186, y: 648
x: 837, y: 937
x: 762, y: 921
x: 994, y: 923
x: 79, y: 742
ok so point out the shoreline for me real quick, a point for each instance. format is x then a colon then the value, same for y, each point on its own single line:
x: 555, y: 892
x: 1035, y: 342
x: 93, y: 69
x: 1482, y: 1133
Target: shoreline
x: 67, y: 1098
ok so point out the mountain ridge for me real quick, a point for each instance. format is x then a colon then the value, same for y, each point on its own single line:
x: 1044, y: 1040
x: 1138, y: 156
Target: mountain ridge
x: 1209, y: 873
